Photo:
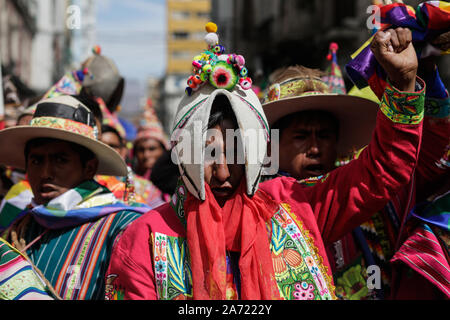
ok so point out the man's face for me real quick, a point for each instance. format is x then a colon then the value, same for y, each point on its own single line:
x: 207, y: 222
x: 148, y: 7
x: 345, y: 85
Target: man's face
x: 112, y: 140
x: 308, y: 147
x: 148, y: 152
x: 54, y: 168
x: 222, y: 177
x: 25, y: 120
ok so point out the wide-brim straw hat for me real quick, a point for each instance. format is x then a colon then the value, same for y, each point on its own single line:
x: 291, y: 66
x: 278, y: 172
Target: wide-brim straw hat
x: 64, y: 118
x: 356, y: 115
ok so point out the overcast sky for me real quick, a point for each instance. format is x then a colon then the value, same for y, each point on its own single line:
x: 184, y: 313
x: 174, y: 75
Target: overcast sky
x: 132, y: 33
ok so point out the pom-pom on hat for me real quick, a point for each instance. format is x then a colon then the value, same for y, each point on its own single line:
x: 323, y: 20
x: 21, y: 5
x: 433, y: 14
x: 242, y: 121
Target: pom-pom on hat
x: 213, y: 66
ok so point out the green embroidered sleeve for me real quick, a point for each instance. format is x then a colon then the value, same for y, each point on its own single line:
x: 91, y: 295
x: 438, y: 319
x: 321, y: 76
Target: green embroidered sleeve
x: 404, y: 107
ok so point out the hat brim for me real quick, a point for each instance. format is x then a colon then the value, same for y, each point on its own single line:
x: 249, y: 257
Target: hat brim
x: 356, y: 116
x: 14, y: 139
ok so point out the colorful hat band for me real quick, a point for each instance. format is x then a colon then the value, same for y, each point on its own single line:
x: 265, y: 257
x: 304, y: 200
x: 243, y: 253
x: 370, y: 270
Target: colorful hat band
x: 296, y: 87
x: 64, y: 124
x: 80, y: 114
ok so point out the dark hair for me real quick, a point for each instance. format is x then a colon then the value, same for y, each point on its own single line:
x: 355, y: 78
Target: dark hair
x: 307, y: 115
x: 106, y: 128
x: 84, y: 153
x: 221, y: 110
x: 165, y: 173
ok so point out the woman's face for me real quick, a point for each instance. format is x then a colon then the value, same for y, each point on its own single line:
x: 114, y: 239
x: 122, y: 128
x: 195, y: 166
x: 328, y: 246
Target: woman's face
x: 147, y: 152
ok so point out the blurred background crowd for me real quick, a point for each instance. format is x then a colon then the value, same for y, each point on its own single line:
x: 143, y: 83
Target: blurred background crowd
x: 152, y: 43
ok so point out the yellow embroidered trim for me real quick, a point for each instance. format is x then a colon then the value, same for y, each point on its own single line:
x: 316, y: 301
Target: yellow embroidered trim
x: 295, y: 88
x: 64, y: 124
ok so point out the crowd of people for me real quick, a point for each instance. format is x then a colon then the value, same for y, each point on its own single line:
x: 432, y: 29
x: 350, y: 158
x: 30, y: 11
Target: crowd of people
x: 357, y: 209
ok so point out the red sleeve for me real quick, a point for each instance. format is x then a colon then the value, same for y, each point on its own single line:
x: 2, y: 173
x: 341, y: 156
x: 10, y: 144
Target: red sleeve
x: 431, y: 170
x: 436, y: 137
x: 349, y: 195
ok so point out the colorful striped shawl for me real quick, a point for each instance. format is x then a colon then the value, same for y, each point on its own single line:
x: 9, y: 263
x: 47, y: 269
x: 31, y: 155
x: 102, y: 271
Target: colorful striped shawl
x: 87, y: 202
x: 423, y: 250
x: 430, y: 19
x: 423, y: 253
x: 144, y: 190
x: 18, y: 280
x: 14, y: 203
x: 77, y: 231
x: 74, y: 260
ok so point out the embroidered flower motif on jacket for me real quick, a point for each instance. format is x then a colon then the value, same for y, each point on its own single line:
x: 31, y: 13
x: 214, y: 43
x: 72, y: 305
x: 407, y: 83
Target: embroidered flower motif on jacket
x: 296, y: 259
x: 172, y: 271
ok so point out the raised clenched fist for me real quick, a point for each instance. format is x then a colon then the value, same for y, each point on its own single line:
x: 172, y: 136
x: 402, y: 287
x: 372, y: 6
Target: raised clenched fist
x: 394, y: 51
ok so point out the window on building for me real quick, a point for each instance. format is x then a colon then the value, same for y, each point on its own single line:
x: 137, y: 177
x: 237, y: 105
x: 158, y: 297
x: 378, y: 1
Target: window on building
x: 182, y: 55
x: 202, y: 15
x: 198, y: 35
x: 179, y: 35
x: 180, y: 15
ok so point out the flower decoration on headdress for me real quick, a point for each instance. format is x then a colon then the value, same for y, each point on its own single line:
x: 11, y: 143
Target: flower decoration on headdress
x: 222, y: 71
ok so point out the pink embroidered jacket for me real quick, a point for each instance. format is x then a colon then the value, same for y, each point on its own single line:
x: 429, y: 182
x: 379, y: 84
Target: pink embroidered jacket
x: 151, y: 259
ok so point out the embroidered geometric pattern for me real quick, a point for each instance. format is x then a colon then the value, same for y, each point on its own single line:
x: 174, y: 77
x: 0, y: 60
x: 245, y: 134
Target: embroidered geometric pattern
x: 64, y: 124
x: 259, y: 116
x: 309, y: 182
x: 401, y: 107
x: 295, y: 87
x: 188, y: 114
x: 18, y: 281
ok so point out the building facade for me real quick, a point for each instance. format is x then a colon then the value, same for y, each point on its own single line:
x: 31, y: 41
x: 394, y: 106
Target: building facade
x: 17, y: 29
x: 186, y: 20
x: 34, y: 43
x: 185, y: 32
x: 276, y: 33
x: 51, y: 44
